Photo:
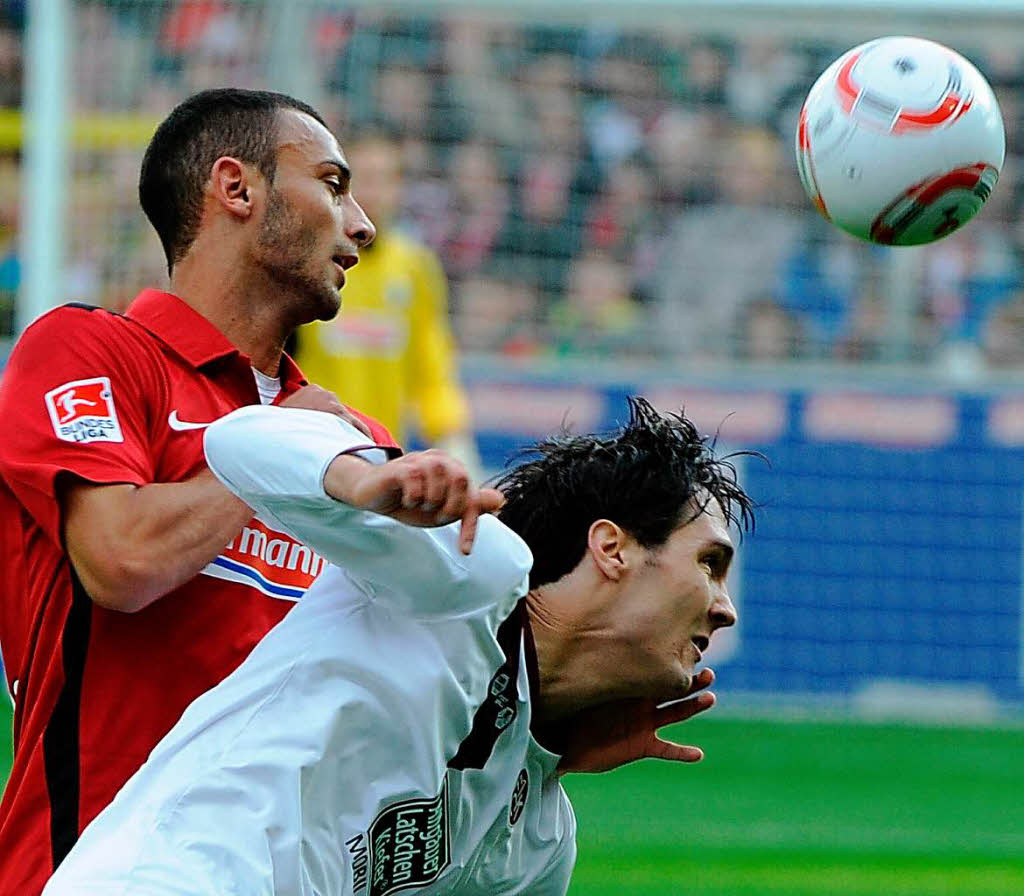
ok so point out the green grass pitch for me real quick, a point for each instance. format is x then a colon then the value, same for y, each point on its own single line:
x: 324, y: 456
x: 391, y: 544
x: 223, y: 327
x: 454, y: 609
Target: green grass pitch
x: 5, y: 735
x: 802, y: 809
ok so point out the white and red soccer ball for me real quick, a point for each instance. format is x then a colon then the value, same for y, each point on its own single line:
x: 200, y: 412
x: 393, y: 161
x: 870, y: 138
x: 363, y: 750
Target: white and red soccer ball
x: 900, y: 141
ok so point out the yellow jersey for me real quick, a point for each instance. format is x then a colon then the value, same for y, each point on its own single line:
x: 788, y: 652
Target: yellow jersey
x: 390, y: 351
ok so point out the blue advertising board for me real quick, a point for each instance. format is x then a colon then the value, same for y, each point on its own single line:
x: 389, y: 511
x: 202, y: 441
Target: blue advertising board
x: 889, y: 544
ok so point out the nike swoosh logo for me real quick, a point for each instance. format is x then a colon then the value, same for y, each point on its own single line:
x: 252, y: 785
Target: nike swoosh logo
x: 183, y: 425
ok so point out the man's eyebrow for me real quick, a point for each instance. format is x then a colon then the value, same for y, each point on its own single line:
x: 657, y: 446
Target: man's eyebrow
x: 343, y: 169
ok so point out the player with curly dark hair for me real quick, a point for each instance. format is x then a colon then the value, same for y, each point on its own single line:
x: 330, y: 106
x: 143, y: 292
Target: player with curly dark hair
x: 406, y: 725
x: 653, y: 475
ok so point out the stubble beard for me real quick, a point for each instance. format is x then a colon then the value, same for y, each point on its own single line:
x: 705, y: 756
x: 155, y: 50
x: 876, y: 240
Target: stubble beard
x: 286, y: 251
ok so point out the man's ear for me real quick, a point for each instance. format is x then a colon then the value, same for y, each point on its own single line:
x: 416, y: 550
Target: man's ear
x: 235, y: 186
x: 607, y: 544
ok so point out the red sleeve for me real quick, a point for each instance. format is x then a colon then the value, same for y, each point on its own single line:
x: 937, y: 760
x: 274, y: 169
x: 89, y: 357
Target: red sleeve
x: 380, y: 433
x: 74, y: 398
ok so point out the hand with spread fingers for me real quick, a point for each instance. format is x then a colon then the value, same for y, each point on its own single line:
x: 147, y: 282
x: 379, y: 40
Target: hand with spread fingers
x: 426, y: 488
x: 614, y: 734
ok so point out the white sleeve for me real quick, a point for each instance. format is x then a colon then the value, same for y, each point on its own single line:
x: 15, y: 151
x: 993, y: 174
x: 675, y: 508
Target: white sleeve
x: 275, y: 460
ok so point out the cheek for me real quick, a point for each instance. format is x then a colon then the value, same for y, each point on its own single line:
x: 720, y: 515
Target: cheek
x: 316, y: 227
x: 690, y: 607
x: 694, y: 592
x: 658, y: 633
x: 316, y: 213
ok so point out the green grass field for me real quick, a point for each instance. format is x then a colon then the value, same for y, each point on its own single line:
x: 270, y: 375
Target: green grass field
x: 5, y: 736
x: 803, y: 809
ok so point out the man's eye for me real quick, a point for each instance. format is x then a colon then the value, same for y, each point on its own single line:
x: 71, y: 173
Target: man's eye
x: 335, y: 186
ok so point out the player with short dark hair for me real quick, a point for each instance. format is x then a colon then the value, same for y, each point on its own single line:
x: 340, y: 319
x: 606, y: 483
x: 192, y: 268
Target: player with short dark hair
x: 405, y: 727
x: 132, y: 580
x: 214, y: 123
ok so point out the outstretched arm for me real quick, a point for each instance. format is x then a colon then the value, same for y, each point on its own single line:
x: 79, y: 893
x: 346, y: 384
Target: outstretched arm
x: 604, y: 737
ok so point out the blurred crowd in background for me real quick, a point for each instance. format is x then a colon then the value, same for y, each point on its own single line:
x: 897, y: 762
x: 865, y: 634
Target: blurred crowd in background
x: 592, y: 191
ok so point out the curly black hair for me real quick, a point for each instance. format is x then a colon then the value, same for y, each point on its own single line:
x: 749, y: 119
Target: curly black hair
x: 650, y: 476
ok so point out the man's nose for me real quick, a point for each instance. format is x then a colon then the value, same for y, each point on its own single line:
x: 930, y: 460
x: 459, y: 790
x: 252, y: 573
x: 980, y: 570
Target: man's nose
x: 360, y: 228
x: 723, y: 613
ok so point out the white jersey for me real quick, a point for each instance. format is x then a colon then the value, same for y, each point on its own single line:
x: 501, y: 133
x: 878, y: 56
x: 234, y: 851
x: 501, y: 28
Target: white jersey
x: 376, y: 741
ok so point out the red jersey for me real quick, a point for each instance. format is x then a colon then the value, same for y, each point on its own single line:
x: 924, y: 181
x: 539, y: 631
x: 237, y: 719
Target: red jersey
x: 108, y: 398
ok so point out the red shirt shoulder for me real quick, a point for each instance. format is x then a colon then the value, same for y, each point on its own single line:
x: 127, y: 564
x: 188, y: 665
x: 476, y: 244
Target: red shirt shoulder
x: 64, y: 333
x: 78, y: 389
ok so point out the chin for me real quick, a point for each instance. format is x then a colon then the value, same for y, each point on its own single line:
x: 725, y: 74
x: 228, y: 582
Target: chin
x: 682, y: 689
x: 328, y: 304
x: 681, y: 683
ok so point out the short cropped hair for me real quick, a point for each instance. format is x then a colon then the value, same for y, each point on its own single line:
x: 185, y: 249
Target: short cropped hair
x: 651, y: 476
x: 213, y: 123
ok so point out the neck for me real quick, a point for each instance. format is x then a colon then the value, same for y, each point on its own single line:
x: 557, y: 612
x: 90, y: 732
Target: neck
x: 248, y: 312
x: 569, y: 648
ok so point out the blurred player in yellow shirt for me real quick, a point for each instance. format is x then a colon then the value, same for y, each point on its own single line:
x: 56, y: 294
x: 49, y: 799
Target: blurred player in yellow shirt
x: 390, y: 351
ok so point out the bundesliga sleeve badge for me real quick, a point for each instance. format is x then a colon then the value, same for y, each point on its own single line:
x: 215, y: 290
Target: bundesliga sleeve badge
x: 83, y: 411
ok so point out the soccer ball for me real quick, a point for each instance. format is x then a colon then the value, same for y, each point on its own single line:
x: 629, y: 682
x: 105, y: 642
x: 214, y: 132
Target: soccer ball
x: 900, y: 141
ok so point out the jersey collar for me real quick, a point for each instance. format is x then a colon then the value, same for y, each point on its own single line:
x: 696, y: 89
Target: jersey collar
x: 182, y: 328
x: 291, y: 377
